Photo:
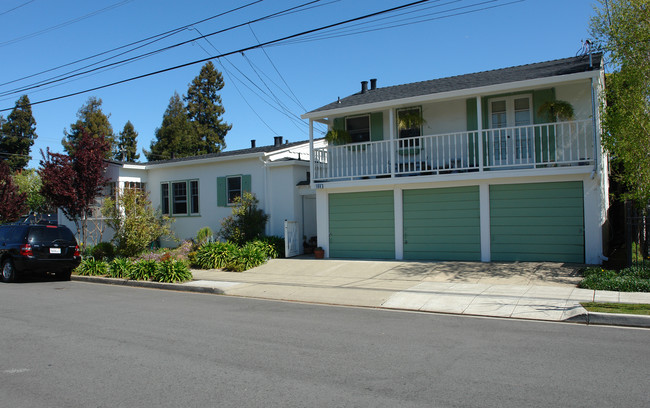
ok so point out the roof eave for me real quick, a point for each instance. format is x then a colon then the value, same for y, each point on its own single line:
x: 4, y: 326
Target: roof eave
x: 477, y: 91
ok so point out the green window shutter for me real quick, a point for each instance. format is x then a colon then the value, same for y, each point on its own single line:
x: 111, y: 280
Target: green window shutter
x: 544, y: 151
x: 376, y: 126
x: 221, y: 192
x: 246, y: 183
x: 339, y: 124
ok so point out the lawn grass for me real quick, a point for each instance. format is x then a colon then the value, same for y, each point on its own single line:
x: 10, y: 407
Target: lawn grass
x: 625, y: 308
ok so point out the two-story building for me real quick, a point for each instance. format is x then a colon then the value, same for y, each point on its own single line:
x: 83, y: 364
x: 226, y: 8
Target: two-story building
x: 489, y: 166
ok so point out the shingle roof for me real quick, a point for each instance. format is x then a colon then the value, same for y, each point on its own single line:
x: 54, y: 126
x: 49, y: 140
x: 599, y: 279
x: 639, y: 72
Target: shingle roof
x: 498, y: 76
x: 261, y: 149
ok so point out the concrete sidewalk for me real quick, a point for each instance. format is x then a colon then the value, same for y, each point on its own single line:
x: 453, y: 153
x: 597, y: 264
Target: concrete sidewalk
x: 527, y: 290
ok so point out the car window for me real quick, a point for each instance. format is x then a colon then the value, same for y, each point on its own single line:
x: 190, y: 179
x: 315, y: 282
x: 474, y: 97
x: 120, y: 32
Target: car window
x: 49, y: 234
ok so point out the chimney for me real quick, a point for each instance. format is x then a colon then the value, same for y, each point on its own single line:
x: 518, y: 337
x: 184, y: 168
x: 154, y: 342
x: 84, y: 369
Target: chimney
x: 373, y: 84
x: 252, y: 143
x: 277, y: 141
x: 364, y: 87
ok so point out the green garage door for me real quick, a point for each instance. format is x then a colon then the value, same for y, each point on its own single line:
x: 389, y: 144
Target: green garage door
x: 442, y: 224
x: 362, y: 225
x: 537, y: 222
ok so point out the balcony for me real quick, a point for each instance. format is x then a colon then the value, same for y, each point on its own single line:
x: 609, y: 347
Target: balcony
x: 560, y: 144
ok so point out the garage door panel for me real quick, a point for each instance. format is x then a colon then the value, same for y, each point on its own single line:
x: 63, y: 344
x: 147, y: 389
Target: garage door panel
x: 442, y: 224
x: 537, y: 222
x: 362, y: 225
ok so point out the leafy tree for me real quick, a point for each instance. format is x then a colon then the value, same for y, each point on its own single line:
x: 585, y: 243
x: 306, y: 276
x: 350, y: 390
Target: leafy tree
x: 17, y: 134
x: 12, y: 202
x: 91, y: 120
x: 72, y: 182
x: 174, y: 138
x: 126, y: 149
x: 622, y: 30
x: 246, y: 223
x: 29, y: 182
x: 135, y: 222
x: 204, y: 109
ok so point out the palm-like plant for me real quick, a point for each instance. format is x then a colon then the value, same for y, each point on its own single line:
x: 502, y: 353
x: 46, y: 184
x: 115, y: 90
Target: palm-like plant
x: 556, y: 110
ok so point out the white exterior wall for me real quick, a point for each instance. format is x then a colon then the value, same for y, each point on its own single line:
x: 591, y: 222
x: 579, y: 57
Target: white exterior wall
x: 284, y: 198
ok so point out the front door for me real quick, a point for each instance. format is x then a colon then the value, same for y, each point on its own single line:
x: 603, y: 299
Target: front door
x: 510, y: 143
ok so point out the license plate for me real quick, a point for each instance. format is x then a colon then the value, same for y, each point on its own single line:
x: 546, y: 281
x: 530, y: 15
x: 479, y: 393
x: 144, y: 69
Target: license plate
x: 55, y: 250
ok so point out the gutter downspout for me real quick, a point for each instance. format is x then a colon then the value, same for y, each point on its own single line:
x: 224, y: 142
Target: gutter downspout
x: 594, y: 123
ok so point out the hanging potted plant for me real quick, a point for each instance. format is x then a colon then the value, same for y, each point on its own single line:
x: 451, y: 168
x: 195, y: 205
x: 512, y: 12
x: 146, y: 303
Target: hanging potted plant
x: 410, y: 119
x: 338, y: 136
x: 556, y: 111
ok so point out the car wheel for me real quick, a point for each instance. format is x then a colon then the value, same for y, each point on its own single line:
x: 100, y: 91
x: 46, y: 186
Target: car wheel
x: 63, y: 275
x: 8, y: 271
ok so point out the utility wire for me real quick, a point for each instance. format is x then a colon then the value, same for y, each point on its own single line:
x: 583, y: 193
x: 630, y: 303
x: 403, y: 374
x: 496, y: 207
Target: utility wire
x: 66, y: 23
x: 16, y: 8
x: 27, y: 88
x: 159, y: 36
x: 277, y: 40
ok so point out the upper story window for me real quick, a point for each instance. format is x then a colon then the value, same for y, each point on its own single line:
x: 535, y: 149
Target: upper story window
x: 359, y: 128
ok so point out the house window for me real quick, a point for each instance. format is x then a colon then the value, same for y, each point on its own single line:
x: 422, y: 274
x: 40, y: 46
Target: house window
x: 513, y: 143
x: 233, y: 188
x: 359, y: 128
x: 194, y: 196
x: 134, y: 185
x: 164, y: 199
x: 179, y: 197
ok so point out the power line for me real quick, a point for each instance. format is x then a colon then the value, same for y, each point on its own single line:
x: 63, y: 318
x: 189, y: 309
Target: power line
x: 16, y: 8
x: 66, y: 23
x: 38, y: 85
x: 159, y: 37
x: 278, y: 40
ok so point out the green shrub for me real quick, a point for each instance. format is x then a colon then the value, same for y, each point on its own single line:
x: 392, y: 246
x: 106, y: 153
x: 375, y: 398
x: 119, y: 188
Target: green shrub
x: 120, y: 268
x: 246, y: 223
x: 171, y: 271
x: 103, y: 250
x: 272, y: 246
x: 633, y: 279
x: 92, y: 267
x: 204, y: 236
x: 215, y: 255
x: 247, y: 257
x: 143, y: 270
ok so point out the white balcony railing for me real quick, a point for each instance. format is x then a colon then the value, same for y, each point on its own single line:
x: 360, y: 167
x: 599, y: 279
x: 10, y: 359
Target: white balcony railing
x: 533, y: 146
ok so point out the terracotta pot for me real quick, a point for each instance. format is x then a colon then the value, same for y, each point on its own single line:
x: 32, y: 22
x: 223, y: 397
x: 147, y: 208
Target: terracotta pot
x: 319, y: 253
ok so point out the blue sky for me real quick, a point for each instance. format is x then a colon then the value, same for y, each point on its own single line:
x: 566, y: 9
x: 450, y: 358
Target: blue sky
x: 37, y: 35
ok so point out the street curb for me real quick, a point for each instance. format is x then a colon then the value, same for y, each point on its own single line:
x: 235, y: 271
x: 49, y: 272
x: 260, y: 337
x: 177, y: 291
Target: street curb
x: 611, y: 319
x: 147, y: 284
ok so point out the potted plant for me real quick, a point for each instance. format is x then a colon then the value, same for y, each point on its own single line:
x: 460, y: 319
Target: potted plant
x: 556, y: 111
x: 338, y: 136
x: 319, y: 253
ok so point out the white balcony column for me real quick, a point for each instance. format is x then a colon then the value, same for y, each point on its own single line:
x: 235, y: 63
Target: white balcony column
x: 391, y: 135
x: 484, y: 220
x: 311, y: 152
x: 323, y: 221
x: 479, y: 126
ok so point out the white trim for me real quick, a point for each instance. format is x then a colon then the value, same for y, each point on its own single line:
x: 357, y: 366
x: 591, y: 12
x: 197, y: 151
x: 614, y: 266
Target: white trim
x: 469, y: 92
x: 323, y: 221
x: 398, y: 222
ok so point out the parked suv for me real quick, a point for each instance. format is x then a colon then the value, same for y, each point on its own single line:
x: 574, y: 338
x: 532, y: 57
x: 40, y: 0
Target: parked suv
x: 37, y: 248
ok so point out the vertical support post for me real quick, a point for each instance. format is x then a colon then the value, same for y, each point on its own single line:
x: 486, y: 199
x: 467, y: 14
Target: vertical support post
x: 484, y: 220
x: 311, y: 153
x: 399, y: 223
x: 479, y: 119
x: 391, y: 133
x: 323, y: 221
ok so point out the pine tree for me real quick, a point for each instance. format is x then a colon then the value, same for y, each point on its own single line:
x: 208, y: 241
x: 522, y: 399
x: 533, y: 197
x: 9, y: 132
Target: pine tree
x: 204, y: 110
x: 174, y: 138
x: 92, y: 120
x: 126, y: 149
x: 17, y: 136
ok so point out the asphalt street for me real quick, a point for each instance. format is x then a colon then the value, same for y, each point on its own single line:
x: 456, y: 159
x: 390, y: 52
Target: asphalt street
x: 74, y: 344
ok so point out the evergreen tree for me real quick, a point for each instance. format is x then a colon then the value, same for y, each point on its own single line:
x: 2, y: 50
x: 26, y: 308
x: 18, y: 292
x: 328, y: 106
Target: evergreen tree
x: 126, y: 149
x: 174, y: 138
x: 622, y: 29
x: 92, y: 120
x: 204, y: 110
x: 17, y: 135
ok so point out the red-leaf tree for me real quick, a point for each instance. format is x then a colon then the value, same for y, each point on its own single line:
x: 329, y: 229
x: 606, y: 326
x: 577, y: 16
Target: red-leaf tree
x: 12, y: 202
x: 72, y: 183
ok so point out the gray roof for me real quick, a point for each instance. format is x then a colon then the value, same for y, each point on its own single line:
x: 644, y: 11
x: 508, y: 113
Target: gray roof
x: 261, y: 149
x: 498, y: 76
